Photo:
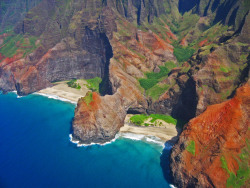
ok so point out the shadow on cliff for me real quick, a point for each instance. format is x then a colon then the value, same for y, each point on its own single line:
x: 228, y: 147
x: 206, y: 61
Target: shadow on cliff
x: 165, y: 159
x: 105, y: 85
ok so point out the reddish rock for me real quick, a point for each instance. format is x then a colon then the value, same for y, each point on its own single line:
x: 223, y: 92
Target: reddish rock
x: 184, y: 42
x: 99, y: 120
x: 221, y: 131
x: 203, y: 42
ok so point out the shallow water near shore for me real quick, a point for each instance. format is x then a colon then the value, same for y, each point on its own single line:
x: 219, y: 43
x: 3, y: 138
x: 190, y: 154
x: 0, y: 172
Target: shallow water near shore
x: 35, y: 150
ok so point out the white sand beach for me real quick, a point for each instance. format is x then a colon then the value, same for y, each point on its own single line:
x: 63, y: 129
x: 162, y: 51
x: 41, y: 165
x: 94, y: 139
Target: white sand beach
x: 62, y: 90
x: 165, y: 133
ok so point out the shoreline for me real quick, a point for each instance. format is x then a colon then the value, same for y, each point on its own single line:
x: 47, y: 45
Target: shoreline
x: 158, y: 135
x: 55, y: 97
x: 62, y: 92
x: 163, y: 134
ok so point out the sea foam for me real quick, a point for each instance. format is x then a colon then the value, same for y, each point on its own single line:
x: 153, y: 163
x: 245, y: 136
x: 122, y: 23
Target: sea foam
x: 131, y: 136
x: 55, y: 97
x: 77, y: 142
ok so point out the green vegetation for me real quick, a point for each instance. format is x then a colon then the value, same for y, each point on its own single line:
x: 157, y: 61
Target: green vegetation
x: 156, y: 91
x: 241, y: 44
x: 138, y: 119
x: 191, y: 147
x: 14, y: 43
x: 141, y: 118
x: 148, y: 83
x: 9, y: 46
x: 182, y: 54
x: 153, y: 75
x: 243, y: 57
x: 188, y: 21
x: 151, y: 83
x: 74, y: 84
x: 93, y: 84
x: 243, y: 173
x: 167, y: 119
x: 88, y: 98
x: 225, y: 69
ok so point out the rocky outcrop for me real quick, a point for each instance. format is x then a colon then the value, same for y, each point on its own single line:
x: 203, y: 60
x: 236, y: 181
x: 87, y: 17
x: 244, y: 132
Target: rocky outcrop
x: 98, y: 121
x: 226, y: 11
x: 80, y: 51
x: 213, y: 149
x: 211, y: 76
x: 77, y: 39
x: 13, y: 11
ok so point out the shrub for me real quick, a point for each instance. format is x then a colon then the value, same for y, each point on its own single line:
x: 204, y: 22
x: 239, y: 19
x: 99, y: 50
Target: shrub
x: 73, y: 84
x: 224, y: 69
x: 138, y: 119
x: 166, y: 118
x: 147, y: 83
x: 163, y: 72
x: 156, y: 91
x: 88, y: 98
x: 141, y: 118
x: 191, y: 147
x: 183, y: 54
x: 242, y: 175
x: 93, y: 84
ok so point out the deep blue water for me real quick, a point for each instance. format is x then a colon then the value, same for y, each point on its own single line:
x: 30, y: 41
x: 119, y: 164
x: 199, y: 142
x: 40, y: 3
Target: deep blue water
x: 35, y: 151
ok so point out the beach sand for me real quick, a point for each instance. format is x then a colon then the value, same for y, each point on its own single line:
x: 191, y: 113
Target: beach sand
x: 166, y: 132
x: 62, y: 90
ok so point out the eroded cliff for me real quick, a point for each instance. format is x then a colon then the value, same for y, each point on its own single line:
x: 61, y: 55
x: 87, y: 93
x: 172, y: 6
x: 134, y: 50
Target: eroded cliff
x: 154, y: 56
x: 213, y: 149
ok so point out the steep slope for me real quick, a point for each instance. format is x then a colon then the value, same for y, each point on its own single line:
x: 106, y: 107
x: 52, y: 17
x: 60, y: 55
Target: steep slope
x: 209, y: 77
x: 13, y: 11
x: 213, y: 149
x: 134, y: 46
x: 66, y: 49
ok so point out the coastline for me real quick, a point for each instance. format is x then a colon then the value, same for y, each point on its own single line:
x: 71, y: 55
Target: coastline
x: 61, y: 91
x: 158, y: 135
x: 163, y: 134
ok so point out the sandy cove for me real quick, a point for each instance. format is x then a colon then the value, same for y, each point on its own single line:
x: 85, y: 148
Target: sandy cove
x: 61, y: 89
x: 166, y: 132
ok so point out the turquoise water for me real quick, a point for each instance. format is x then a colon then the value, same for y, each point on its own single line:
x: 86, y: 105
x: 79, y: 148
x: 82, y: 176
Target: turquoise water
x: 35, y: 151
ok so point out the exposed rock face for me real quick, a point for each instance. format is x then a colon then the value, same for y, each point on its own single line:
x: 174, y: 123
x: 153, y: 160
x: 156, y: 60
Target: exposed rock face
x: 12, y: 11
x: 209, y: 77
x: 210, y: 145
x: 59, y: 63
x: 133, y: 54
x: 227, y: 11
x: 83, y: 53
x: 77, y: 39
x: 99, y: 119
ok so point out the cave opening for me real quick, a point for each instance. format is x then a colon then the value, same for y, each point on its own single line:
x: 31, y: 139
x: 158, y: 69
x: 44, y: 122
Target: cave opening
x: 105, y: 85
x: 186, y: 107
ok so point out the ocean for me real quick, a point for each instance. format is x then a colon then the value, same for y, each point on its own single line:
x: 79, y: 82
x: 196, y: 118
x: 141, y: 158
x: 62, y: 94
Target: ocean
x: 36, y: 151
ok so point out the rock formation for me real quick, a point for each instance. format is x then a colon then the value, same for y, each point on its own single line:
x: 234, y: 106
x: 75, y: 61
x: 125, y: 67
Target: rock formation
x: 213, y: 149
x: 188, y: 56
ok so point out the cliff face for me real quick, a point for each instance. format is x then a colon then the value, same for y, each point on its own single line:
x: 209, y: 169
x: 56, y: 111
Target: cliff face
x: 213, y: 149
x: 123, y: 42
x: 101, y: 119
x: 68, y: 48
x: 80, y: 38
x: 228, y: 12
x: 209, y: 77
x: 13, y: 11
